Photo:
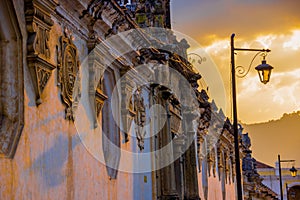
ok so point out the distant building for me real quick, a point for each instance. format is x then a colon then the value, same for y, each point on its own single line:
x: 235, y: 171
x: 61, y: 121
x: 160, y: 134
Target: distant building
x: 253, y: 185
x: 270, y: 176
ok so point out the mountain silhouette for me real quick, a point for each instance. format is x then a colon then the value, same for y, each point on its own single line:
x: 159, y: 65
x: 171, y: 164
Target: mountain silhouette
x: 275, y: 137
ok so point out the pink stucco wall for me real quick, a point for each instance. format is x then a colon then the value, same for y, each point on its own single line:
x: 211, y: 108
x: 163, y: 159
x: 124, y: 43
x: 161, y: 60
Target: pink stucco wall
x: 215, y: 188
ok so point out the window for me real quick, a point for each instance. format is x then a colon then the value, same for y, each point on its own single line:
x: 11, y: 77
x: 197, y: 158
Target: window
x: 110, y: 129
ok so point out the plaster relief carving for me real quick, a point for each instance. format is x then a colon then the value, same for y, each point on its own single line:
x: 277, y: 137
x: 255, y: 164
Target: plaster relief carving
x: 100, y: 98
x: 68, y: 79
x: 96, y: 71
x: 127, y: 105
x: 44, y: 76
x: 226, y: 167
x: 107, y: 11
x: 140, y: 117
x: 40, y: 40
x: 38, y: 24
x: 95, y: 9
x: 220, y: 160
x: 232, y: 160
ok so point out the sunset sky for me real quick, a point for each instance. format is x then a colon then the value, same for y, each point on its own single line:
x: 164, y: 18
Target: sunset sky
x: 273, y: 24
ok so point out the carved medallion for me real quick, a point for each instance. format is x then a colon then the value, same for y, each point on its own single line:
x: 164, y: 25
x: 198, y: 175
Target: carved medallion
x: 68, y: 74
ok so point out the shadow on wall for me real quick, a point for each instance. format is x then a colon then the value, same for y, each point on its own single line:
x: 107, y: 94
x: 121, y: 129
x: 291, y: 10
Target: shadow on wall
x: 56, y: 164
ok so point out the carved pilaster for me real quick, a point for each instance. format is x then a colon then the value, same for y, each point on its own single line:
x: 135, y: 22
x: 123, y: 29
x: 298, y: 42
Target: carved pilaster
x: 211, y: 161
x: 220, y: 159
x: 200, y: 150
x: 127, y: 105
x: 176, y: 128
x: 68, y: 74
x: 38, y: 24
x: 213, y: 156
x: 232, y: 160
x: 140, y: 117
x: 178, y: 145
x: 96, y: 72
x: 226, y: 167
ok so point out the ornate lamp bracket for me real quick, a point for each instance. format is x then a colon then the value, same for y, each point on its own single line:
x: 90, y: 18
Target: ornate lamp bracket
x: 241, y: 72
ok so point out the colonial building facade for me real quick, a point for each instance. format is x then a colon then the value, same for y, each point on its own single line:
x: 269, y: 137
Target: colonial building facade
x: 270, y: 176
x: 82, y: 85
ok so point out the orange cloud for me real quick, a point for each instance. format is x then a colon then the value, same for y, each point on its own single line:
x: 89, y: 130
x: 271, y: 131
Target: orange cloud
x: 202, y: 19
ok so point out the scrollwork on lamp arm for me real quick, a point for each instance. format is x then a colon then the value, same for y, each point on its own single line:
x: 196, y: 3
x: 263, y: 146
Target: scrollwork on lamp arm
x: 241, y: 72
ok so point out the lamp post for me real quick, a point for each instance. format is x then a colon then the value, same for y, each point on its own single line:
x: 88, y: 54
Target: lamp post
x: 264, y: 71
x: 293, y: 171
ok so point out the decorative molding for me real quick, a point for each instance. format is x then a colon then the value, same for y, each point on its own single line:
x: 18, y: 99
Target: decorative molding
x: 140, y: 117
x: 209, y: 162
x: 176, y: 119
x: 99, y: 99
x: 68, y: 74
x: 38, y: 23
x: 96, y: 72
x: 95, y: 9
x: 220, y: 160
x: 232, y: 160
x: 110, y: 13
x: 226, y: 167
x: 127, y: 104
x: 200, y: 150
x: 179, y: 139
x: 214, y: 166
x: 93, y: 41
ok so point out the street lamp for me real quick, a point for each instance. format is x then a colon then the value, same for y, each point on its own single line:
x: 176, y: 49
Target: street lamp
x: 264, y: 71
x: 293, y: 171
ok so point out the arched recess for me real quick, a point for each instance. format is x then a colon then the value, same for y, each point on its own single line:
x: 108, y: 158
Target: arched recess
x: 110, y: 128
x: 294, y: 192
x: 11, y: 80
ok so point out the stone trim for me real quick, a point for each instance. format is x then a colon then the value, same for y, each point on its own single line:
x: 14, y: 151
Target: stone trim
x: 11, y: 81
